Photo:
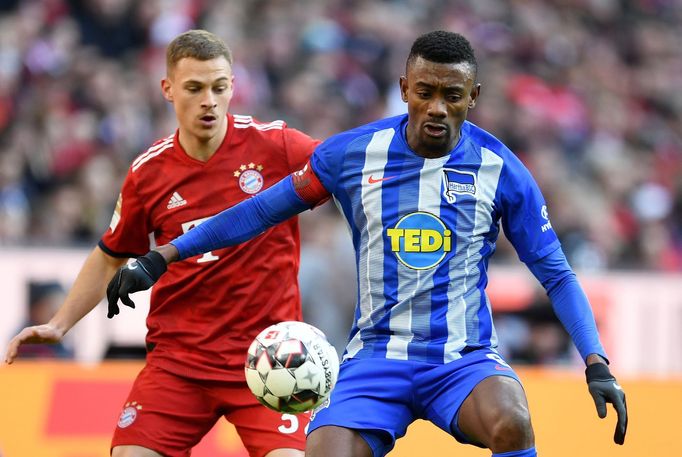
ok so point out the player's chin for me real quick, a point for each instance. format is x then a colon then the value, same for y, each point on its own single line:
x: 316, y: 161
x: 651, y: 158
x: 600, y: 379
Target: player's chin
x: 438, y: 145
x: 204, y: 132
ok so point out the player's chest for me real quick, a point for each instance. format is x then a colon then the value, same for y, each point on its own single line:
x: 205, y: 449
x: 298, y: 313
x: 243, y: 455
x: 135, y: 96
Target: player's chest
x: 184, y: 197
x: 453, y: 191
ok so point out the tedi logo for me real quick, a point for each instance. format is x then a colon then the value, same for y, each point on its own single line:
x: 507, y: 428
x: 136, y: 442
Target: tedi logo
x: 420, y: 240
x: 545, y: 216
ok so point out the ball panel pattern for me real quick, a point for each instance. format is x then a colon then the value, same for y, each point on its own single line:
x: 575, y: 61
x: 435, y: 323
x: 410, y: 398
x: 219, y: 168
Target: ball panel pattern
x: 291, y: 367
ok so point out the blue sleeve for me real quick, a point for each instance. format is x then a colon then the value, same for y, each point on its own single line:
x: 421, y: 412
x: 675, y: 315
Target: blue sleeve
x: 569, y: 301
x: 525, y: 219
x: 328, y: 159
x: 243, y: 221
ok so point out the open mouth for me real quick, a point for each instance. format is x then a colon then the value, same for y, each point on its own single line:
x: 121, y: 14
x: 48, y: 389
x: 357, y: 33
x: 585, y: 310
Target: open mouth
x: 435, y: 130
x: 207, y: 119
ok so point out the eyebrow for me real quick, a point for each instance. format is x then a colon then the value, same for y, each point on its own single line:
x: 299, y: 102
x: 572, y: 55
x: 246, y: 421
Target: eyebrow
x: 458, y: 87
x: 194, y: 81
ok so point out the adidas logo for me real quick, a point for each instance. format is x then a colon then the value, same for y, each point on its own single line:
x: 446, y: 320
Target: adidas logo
x: 175, y: 201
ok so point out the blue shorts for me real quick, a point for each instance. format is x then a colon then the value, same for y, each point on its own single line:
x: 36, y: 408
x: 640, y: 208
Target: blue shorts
x: 380, y: 398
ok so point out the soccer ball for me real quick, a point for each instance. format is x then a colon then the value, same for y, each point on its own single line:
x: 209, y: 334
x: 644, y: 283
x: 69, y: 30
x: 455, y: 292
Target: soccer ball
x: 291, y: 367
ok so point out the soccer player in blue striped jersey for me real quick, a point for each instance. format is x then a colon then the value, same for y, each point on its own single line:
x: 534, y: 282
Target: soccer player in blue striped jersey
x: 424, y: 195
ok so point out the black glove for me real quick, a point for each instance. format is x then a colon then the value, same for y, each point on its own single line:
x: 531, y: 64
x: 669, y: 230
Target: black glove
x: 605, y: 389
x: 134, y: 277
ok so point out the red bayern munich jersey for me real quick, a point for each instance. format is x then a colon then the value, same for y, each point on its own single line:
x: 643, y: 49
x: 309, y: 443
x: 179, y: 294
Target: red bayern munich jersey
x: 206, y: 310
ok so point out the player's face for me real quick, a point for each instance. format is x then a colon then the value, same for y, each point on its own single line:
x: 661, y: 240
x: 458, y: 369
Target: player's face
x: 438, y: 97
x: 200, y: 91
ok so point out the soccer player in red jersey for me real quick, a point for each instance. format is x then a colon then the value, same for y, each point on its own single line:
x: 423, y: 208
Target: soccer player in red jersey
x: 194, y: 369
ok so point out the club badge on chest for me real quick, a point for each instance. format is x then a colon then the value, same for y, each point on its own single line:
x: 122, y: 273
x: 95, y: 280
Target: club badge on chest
x: 250, y: 178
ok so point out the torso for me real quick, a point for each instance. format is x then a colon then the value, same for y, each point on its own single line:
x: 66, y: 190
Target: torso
x: 206, y: 309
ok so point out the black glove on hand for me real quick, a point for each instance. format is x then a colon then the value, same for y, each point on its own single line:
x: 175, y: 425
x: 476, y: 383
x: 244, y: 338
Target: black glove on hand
x: 605, y: 389
x: 134, y: 277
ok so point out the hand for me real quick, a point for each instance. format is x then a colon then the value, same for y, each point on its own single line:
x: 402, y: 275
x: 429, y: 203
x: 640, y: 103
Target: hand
x: 605, y: 389
x: 32, y: 335
x: 134, y: 277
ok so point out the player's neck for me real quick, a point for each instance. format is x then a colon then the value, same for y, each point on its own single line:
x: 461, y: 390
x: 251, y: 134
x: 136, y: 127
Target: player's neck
x: 199, y: 148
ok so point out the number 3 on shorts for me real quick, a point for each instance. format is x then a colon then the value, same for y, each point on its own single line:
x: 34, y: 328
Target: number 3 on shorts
x: 290, y: 424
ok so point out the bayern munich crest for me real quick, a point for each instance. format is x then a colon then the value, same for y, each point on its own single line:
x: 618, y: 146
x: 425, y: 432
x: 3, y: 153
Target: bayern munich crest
x: 129, y: 414
x: 250, y: 178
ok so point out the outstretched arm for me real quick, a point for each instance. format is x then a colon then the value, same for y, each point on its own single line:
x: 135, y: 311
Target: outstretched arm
x: 235, y: 225
x: 86, y: 293
x: 573, y: 309
x: 244, y: 221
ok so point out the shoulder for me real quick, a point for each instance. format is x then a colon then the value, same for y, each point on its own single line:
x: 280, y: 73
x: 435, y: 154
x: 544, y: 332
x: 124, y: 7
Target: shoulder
x: 158, y: 149
x: 248, y: 129
x: 484, y: 139
x: 250, y: 124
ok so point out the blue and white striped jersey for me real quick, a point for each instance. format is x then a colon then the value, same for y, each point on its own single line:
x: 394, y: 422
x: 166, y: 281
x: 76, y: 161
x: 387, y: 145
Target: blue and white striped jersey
x: 423, y: 231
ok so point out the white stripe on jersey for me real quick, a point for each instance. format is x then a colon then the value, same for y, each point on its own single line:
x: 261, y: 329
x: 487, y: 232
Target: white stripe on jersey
x: 371, y: 263
x: 263, y: 127
x: 402, y: 325
x: 488, y: 178
x: 243, y: 122
x: 156, y: 147
x: 242, y: 118
x: 151, y: 156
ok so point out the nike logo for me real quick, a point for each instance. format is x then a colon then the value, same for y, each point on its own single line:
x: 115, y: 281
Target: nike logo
x: 617, y: 386
x: 373, y: 180
x: 132, y: 266
x: 501, y: 368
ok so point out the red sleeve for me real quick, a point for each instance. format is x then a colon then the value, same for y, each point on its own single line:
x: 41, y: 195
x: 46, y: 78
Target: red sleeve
x: 308, y: 186
x: 128, y: 232
x: 299, y: 147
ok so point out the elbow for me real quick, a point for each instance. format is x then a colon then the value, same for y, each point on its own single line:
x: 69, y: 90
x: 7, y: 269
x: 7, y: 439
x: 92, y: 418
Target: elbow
x: 559, y: 281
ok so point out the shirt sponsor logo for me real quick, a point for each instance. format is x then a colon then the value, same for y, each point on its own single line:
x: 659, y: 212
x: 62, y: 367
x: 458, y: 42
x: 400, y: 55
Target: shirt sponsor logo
x: 250, y: 178
x: 187, y: 226
x: 458, y: 182
x: 420, y: 240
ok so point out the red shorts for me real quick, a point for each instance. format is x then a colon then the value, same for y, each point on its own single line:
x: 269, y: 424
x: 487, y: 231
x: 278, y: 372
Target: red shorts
x: 171, y: 414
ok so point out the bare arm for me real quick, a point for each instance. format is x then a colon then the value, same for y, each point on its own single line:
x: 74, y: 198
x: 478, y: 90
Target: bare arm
x: 168, y: 252
x: 86, y: 293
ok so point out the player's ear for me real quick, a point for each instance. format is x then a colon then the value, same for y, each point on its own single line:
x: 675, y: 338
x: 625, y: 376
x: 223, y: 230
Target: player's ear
x: 403, y: 88
x: 166, y: 89
x: 473, y: 96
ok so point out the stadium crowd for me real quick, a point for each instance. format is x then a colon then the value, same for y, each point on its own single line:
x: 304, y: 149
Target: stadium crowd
x: 586, y: 92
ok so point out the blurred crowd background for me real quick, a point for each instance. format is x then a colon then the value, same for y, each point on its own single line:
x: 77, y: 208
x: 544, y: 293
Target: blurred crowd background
x: 586, y: 92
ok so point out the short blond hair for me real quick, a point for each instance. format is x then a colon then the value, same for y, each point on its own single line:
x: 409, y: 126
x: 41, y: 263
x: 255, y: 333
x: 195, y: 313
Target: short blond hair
x: 197, y: 44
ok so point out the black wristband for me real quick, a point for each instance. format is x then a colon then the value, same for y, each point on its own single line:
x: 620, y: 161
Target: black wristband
x: 598, y: 372
x: 153, y: 263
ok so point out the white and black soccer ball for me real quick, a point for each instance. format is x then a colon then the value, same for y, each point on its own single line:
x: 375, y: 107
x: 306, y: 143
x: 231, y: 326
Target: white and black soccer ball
x: 291, y: 367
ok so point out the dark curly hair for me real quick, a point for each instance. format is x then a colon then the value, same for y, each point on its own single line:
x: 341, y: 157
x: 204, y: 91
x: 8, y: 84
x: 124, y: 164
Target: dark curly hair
x: 443, y: 47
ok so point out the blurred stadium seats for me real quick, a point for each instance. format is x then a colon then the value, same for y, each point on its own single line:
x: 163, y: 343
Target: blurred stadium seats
x: 585, y: 91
